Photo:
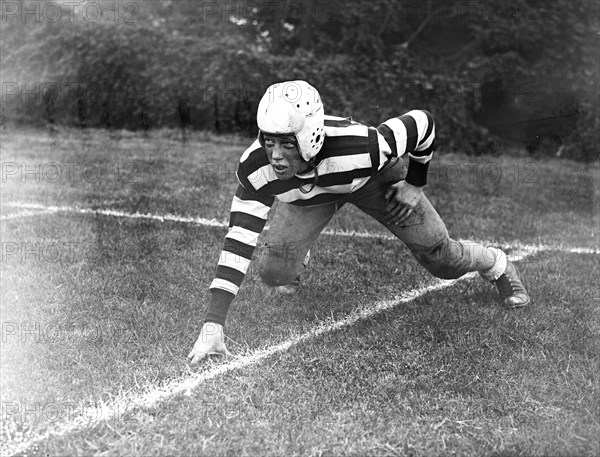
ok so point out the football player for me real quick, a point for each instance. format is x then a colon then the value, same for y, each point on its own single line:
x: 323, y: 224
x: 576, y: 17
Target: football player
x: 314, y: 164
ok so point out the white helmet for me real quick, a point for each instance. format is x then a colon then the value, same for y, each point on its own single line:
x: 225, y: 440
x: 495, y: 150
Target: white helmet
x: 293, y: 108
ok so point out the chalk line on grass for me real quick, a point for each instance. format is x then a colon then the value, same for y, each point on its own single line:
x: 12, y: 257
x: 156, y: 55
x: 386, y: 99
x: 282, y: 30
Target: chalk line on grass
x: 117, y: 213
x: 25, y: 213
x: 215, y: 223
x: 169, y: 218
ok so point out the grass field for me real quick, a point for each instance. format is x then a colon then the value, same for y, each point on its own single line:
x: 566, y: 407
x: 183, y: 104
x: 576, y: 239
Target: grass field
x: 99, y: 312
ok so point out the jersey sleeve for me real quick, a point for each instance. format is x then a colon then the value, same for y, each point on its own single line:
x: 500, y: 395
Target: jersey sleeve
x: 246, y: 221
x: 412, y: 133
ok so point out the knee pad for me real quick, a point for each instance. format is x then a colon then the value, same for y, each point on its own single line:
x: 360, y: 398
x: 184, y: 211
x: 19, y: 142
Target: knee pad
x: 272, y: 276
x: 274, y: 270
x: 441, y: 259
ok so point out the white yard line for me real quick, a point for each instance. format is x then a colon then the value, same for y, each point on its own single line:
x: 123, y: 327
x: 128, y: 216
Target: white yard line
x: 25, y: 213
x: 46, y: 209
x: 166, y: 217
x: 117, y: 213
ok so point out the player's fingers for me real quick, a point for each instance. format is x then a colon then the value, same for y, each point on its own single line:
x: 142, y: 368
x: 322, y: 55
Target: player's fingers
x: 390, y: 201
x: 392, y: 212
x: 393, y: 206
x: 400, y: 216
x: 404, y: 216
x: 389, y: 193
x: 196, y: 357
x: 222, y: 350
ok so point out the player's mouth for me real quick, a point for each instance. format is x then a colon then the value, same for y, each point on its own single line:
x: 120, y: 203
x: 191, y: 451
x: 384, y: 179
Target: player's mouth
x: 279, y: 168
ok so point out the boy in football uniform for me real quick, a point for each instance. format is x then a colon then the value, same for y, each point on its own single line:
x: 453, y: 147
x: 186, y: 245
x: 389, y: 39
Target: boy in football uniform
x: 314, y: 164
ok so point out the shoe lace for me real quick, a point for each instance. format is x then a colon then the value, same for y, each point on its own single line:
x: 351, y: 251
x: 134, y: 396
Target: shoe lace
x: 509, y: 285
x: 505, y: 286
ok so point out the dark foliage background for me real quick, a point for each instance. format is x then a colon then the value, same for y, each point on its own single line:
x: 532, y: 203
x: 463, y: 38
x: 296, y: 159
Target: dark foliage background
x: 518, y: 72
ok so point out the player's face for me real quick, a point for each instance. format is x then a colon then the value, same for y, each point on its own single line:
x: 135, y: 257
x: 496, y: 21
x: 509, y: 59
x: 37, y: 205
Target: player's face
x: 284, y: 156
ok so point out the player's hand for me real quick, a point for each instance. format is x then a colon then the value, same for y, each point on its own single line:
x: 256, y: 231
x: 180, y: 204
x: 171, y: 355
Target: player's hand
x: 210, y: 341
x: 401, y: 199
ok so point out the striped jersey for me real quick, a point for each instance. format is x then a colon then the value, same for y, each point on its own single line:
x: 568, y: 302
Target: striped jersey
x: 351, y: 154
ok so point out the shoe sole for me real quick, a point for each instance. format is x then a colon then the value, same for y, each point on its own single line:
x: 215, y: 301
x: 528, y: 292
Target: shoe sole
x: 523, y: 305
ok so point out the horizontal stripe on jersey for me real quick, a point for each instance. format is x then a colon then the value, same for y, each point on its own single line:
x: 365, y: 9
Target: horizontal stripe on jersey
x: 333, y: 121
x: 243, y: 235
x: 235, y: 261
x: 248, y: 203
x: 238, y: 247
x: 230, y: 274
x: 222, y: 284
x: 247, y: 221
x: 344, y: 177
x: 318, y: 199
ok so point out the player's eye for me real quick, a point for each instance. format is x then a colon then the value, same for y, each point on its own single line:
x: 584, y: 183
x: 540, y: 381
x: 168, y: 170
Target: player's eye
x: 289, y: 145
x: 269, y: 143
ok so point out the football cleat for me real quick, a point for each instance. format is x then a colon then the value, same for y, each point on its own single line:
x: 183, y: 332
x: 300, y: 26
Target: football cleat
x: 511, y: 288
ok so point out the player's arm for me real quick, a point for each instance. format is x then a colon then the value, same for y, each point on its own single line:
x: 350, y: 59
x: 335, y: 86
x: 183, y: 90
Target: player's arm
x: 414, y: 134
x: 247, y: 220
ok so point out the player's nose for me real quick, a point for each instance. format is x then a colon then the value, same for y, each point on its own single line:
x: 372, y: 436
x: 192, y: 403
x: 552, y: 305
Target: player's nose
x: 277, y: 152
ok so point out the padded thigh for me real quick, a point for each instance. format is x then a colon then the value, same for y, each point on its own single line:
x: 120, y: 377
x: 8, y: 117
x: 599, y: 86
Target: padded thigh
x: 293, y: 230
x: 421, y: 231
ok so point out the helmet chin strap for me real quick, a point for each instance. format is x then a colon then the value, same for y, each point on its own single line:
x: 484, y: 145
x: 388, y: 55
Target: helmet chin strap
x: 313, y: 167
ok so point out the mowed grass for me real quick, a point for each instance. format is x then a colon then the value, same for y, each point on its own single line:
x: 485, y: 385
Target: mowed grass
x: 95, y: 308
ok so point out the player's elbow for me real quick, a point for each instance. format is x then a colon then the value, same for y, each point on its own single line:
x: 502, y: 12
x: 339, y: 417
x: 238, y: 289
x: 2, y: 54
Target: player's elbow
x: 425, y: 124
x: 429, y: 124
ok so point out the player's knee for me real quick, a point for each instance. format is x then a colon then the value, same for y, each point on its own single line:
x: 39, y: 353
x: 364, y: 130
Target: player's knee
x: 443, y: 271
x: 275, y: 272
x: 441, y: 260
x: 439, y: 269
